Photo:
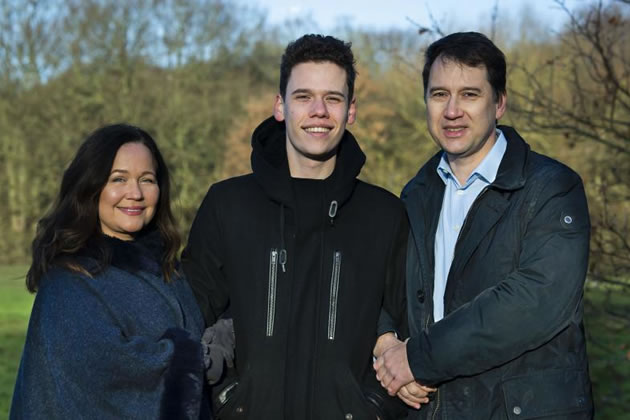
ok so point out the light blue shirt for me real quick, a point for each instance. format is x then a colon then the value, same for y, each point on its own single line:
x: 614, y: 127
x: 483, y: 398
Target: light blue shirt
x: 457, y: 201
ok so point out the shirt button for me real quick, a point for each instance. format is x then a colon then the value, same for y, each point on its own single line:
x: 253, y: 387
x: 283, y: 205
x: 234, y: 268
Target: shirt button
x: 349, y: 416
x: 461, y: 192
x: 456, y: 228
x: 517, y: 410
x: 420, y: 296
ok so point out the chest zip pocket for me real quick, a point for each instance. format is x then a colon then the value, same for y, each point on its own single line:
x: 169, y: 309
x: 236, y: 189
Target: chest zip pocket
x: 334, y: 293
x: 271, y: 293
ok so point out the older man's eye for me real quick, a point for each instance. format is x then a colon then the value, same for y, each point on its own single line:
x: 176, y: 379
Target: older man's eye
x: 471, y: 94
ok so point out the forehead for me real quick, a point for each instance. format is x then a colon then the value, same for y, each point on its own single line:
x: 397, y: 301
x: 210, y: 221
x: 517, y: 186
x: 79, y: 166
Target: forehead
x: 449, y: 72
x: 132, y: 155
x: 312, y: 75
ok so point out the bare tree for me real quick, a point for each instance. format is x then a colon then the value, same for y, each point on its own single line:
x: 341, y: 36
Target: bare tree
x: 577, y: 94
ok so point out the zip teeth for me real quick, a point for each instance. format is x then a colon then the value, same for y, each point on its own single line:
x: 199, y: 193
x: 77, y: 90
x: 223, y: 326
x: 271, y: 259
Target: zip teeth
x: 334, y: 294
x: 271, y: 298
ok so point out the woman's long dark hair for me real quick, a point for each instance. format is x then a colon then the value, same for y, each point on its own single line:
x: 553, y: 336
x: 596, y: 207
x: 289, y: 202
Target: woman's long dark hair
x: 73, y: 218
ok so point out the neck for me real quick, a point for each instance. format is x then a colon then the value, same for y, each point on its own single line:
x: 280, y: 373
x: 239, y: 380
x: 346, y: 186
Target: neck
x: 303, y: 167
x: 463, y: 166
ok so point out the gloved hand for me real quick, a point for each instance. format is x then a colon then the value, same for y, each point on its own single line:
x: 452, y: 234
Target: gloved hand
x: 218, y: 349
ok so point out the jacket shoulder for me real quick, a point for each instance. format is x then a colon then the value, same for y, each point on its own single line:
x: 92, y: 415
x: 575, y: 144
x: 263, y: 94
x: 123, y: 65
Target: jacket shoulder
x: 541, y: 169
x: 62, y: 278
x: 233, y: 184
x: 379, y: 196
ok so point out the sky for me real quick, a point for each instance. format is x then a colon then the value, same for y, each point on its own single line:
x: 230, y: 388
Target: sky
x: 452, y: 15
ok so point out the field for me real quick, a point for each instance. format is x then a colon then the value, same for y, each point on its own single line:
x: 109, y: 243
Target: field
x: 609, y: 342
x: 15, y: 306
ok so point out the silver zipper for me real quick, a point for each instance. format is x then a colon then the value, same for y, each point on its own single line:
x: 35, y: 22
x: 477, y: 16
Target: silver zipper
x: 271, y: 295
x: 334, y: 291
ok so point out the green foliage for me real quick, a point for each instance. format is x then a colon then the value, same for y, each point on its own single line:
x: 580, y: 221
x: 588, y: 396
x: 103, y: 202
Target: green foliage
x: 609, y: 350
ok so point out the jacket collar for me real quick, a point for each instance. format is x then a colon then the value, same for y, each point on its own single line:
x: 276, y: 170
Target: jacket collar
x: 271, y: 168
x: 143, y: 254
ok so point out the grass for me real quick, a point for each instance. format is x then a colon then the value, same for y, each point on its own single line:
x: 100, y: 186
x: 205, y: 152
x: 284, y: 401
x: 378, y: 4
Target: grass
x: 607, y: 318
x: 608, y: 330
x: 15, y: 304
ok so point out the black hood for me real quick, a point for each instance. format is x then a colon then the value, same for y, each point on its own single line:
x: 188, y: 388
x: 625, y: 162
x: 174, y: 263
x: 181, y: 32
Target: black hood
x: 271, y: 168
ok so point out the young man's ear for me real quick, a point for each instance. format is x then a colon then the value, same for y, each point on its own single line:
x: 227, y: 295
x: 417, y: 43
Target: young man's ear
x: 352, y: 111
x: 278, y: 108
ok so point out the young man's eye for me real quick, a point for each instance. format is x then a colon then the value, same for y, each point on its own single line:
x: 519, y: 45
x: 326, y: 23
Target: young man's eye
x: 334, y: 99
x: 302, y: 97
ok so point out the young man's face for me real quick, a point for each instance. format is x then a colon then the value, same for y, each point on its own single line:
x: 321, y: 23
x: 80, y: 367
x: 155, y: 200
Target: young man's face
x: 462, y: 110
x: 316, y: 109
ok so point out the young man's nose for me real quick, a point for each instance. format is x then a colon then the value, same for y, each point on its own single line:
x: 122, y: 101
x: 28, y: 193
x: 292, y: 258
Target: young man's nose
x: 318, y: 108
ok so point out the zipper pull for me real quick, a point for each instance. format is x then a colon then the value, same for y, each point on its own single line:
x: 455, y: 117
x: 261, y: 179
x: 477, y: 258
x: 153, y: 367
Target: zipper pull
x: 283, y: 259
x: 332, y: 212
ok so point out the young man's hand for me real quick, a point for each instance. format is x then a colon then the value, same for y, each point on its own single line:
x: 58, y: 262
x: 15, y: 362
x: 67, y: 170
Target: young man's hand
x: 392, y: 368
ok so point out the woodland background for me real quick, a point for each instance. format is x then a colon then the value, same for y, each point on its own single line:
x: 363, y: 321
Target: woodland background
x: 199, y: 75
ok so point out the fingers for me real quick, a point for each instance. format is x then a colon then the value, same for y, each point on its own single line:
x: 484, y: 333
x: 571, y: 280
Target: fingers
x: 414, y: 395
x: 392, y: 368
x: 418, y: 391
x: 410, y: 399
x: 386, y: 379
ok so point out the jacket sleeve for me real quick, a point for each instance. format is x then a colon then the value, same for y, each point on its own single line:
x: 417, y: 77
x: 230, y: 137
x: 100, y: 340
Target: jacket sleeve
x: 202, y: 260
x: 536, y: 301
x: 78, y: 362
x: 393, y: 318
x: 394, y: 311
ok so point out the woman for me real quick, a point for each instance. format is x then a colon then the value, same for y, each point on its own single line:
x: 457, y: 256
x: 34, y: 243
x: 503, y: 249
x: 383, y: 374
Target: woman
x: 114, y: 331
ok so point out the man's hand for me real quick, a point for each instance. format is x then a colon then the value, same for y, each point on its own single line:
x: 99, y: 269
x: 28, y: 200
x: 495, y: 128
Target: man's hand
x: 392, y: 368
x: 413, y: 394
x: 384, y: 342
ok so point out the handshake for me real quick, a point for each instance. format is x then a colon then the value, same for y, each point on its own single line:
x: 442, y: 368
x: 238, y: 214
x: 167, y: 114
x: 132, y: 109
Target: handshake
x: 394, y: 374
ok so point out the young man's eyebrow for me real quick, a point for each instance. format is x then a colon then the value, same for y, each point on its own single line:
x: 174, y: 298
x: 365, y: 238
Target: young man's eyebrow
x: 329, y: 92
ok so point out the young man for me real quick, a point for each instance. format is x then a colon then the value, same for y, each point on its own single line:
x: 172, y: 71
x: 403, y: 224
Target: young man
x: 303, y: 253
x: 496, y: 261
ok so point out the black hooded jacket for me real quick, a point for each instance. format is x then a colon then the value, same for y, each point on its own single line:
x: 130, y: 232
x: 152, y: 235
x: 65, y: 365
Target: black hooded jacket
x: 305, y: 267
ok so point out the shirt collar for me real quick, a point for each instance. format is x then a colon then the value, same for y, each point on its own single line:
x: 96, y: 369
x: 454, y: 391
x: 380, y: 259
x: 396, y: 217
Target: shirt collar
x: 486, y: 170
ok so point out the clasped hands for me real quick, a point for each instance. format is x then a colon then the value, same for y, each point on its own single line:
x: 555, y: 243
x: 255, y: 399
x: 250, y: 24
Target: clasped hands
x: 394, y: 374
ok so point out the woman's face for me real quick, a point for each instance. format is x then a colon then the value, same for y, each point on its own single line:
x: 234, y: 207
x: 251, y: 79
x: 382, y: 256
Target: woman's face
x: 128, y: 200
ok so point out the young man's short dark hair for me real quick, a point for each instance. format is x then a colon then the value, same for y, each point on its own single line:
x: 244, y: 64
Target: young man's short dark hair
x: 318, y: 48
x: 471, y: 49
